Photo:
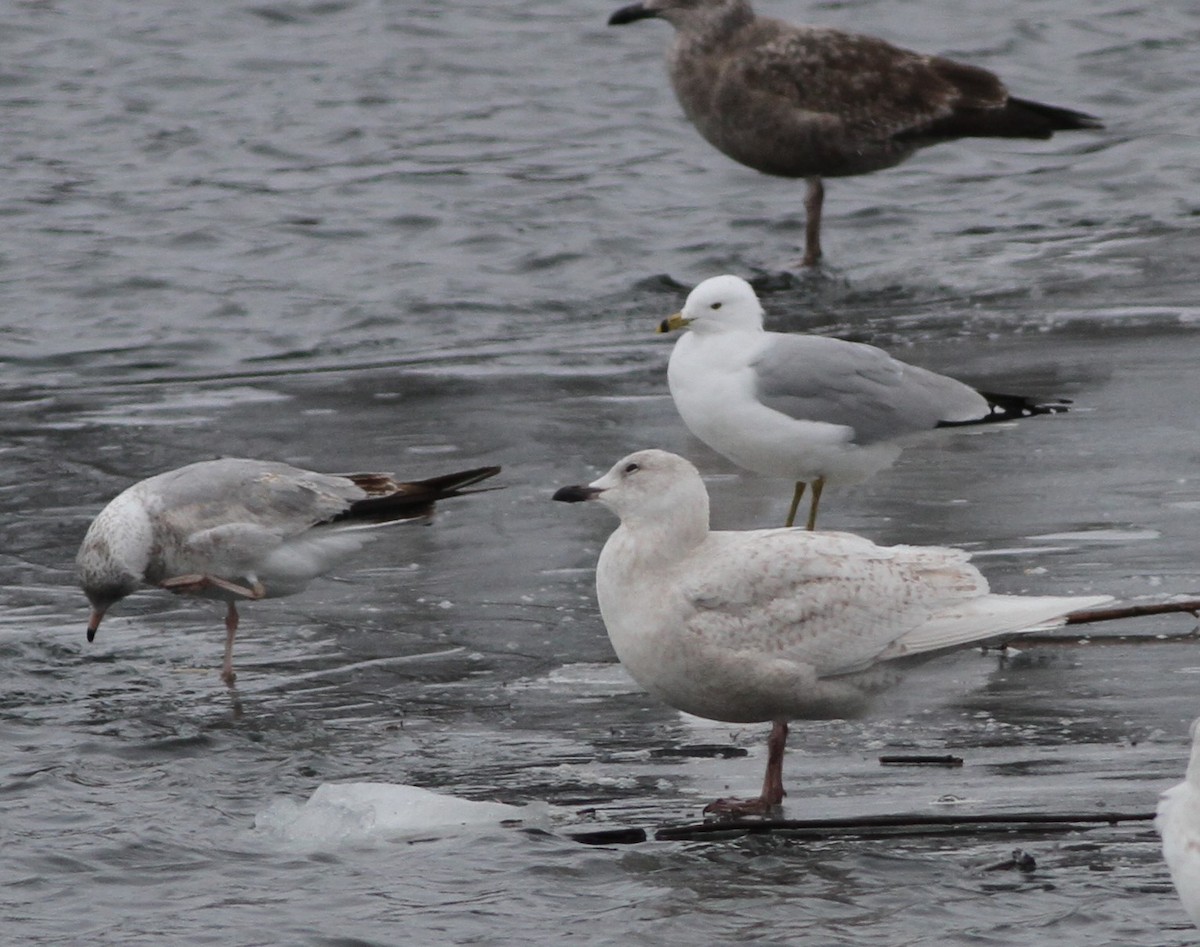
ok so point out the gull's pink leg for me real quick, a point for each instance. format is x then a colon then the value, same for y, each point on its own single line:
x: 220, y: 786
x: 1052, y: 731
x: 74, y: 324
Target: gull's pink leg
x: 772, y: 791
x: 231, y: 626
x: 194, y: 584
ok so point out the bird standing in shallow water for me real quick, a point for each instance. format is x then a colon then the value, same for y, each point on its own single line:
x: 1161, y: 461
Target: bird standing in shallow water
x: 238, y: 530
x: 1178, y: 822
x: 807, y: 102
x: 776, y: 624
x: 812, y: 409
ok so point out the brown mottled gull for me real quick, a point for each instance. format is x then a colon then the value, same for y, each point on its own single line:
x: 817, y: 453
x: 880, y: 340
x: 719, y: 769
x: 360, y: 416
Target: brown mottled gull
x: 776, y: 624
x: 807, y: 102
x: 236, y: 530
x: 812, y: 409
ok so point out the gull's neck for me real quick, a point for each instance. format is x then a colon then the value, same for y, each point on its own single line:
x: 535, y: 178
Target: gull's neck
x: 1193, y: 770
x: 700, y: 331
x: 668, y: 534
x: 119, y: 542
x: 710, y: 27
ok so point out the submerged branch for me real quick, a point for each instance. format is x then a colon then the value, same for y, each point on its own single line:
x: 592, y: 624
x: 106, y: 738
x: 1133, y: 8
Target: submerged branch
x: 871, y: 827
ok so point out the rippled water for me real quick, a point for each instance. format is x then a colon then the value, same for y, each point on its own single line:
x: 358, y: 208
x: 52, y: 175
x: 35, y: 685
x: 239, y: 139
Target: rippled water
x: 424, y: 236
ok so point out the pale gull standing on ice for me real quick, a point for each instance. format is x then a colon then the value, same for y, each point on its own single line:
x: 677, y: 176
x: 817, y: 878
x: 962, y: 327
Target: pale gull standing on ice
x: 806, y: 102
x: 236, y: 530
x: 1178, y: 823
x: 812, y: 409
x: 776, y: 624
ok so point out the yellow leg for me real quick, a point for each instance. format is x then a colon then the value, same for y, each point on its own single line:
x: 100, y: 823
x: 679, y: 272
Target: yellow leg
x: 818, y: 486
x: 799, y: 492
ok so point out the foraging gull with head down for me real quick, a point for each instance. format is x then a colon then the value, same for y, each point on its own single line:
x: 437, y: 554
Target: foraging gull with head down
x: 238, y: 530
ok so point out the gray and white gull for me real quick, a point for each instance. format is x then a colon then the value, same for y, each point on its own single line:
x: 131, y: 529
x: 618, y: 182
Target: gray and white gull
x: 776, y: 624
x: 812, y: 409
x: 238, y: 530
x: 807, y: 102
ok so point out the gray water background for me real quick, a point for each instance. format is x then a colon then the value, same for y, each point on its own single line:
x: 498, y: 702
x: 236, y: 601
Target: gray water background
x: 422, y: 236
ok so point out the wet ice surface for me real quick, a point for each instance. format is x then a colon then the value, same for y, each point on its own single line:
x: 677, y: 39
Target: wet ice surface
x: 356, y: 236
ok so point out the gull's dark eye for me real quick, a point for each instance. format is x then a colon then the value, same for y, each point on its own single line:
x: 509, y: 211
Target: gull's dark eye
x: 715, y: 306
x: 630, y: 468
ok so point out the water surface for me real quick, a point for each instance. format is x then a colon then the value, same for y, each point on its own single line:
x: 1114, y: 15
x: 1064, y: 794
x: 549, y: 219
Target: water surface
x: 361, y: 235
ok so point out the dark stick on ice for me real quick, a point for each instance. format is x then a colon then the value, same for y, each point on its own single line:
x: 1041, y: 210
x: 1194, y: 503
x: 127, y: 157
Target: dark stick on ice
x: 1095, y: 615
x: 1088, y: 616
x: 920, y: 760
x: 875, y: 826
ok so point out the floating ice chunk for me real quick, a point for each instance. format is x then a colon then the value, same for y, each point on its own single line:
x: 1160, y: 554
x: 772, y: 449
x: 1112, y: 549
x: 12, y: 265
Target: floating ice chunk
x: 350, y: 813
x: 1100, y: 536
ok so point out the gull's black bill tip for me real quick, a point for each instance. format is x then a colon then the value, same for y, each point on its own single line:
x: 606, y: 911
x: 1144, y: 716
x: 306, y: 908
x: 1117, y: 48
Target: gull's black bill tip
x: 635, y: 11
x: 575, y: 494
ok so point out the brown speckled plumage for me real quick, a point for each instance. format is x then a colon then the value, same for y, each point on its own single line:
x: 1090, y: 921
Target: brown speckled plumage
x: 809, y: 102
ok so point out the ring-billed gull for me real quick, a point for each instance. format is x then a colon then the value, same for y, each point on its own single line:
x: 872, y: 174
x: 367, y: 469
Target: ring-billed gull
x: 776, y: 624
x: 812, y: 409
x: 1178, y: 823
x: 806, y: 102
x: 236, y: 530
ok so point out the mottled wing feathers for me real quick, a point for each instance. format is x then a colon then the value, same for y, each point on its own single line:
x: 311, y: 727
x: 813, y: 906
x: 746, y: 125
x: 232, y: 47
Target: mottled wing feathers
x: 868, y: 85
x: 840, y: 91
x: 834, y: 603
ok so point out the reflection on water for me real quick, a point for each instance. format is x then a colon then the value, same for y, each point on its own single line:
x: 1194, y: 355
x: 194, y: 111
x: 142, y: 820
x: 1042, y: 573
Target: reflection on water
x: 357, y: 236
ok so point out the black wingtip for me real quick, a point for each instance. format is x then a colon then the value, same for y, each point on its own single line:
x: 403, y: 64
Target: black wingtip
x: 1011, y: 407
x: 1002, y: 407
x: 450, y: 484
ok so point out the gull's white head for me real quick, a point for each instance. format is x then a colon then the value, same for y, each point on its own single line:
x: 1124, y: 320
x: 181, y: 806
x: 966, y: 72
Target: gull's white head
x: 113, y: 556
x: 650, y: 488
x: 720, y: 304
